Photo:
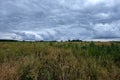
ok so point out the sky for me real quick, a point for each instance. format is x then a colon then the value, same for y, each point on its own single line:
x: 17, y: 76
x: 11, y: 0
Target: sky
x: 60, y: 19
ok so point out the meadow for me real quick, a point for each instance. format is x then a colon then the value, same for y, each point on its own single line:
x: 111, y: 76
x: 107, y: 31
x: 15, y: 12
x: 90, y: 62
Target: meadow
x: 59, y: 60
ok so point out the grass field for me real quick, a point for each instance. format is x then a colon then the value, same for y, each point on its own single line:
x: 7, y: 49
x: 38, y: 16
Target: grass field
x: 59, y: 60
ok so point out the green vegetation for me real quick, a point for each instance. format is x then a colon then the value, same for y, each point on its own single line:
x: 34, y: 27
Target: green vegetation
x: 59, y: 60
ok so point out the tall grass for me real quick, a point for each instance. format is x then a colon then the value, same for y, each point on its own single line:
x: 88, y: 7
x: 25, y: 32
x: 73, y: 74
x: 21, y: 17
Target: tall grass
x: 59, y: 61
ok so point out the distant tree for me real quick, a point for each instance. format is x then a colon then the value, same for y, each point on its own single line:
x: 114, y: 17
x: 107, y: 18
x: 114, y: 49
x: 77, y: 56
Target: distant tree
x: 75, y: 40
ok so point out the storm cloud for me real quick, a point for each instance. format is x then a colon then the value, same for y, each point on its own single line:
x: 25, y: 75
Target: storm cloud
x: 59, y: 19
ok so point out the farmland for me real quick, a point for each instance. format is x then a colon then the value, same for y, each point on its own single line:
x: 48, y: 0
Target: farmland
x: 59, y: 60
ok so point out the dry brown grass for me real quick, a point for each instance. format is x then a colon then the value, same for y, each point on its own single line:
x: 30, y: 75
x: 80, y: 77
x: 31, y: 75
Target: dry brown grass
x: 59, y: 61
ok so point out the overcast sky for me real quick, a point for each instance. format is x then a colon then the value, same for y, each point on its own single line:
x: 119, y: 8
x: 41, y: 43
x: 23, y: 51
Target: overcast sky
x: 59, y: 19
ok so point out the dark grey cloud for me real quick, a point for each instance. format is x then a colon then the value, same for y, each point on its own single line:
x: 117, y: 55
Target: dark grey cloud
x: 59, y: 19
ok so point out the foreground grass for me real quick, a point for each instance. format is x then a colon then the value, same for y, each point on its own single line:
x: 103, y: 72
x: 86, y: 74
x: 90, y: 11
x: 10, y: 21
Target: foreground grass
x: 59, y: 61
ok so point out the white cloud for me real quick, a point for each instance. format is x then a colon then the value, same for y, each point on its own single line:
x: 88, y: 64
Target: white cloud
x: 111, y: 30
x: 103, y: 15
x: 94, y: 2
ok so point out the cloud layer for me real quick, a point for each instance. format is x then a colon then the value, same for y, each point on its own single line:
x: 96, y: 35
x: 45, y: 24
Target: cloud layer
x: 59, y: 19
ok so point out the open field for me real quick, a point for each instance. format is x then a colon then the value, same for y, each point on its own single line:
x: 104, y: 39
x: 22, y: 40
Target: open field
x: 59, y: 60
